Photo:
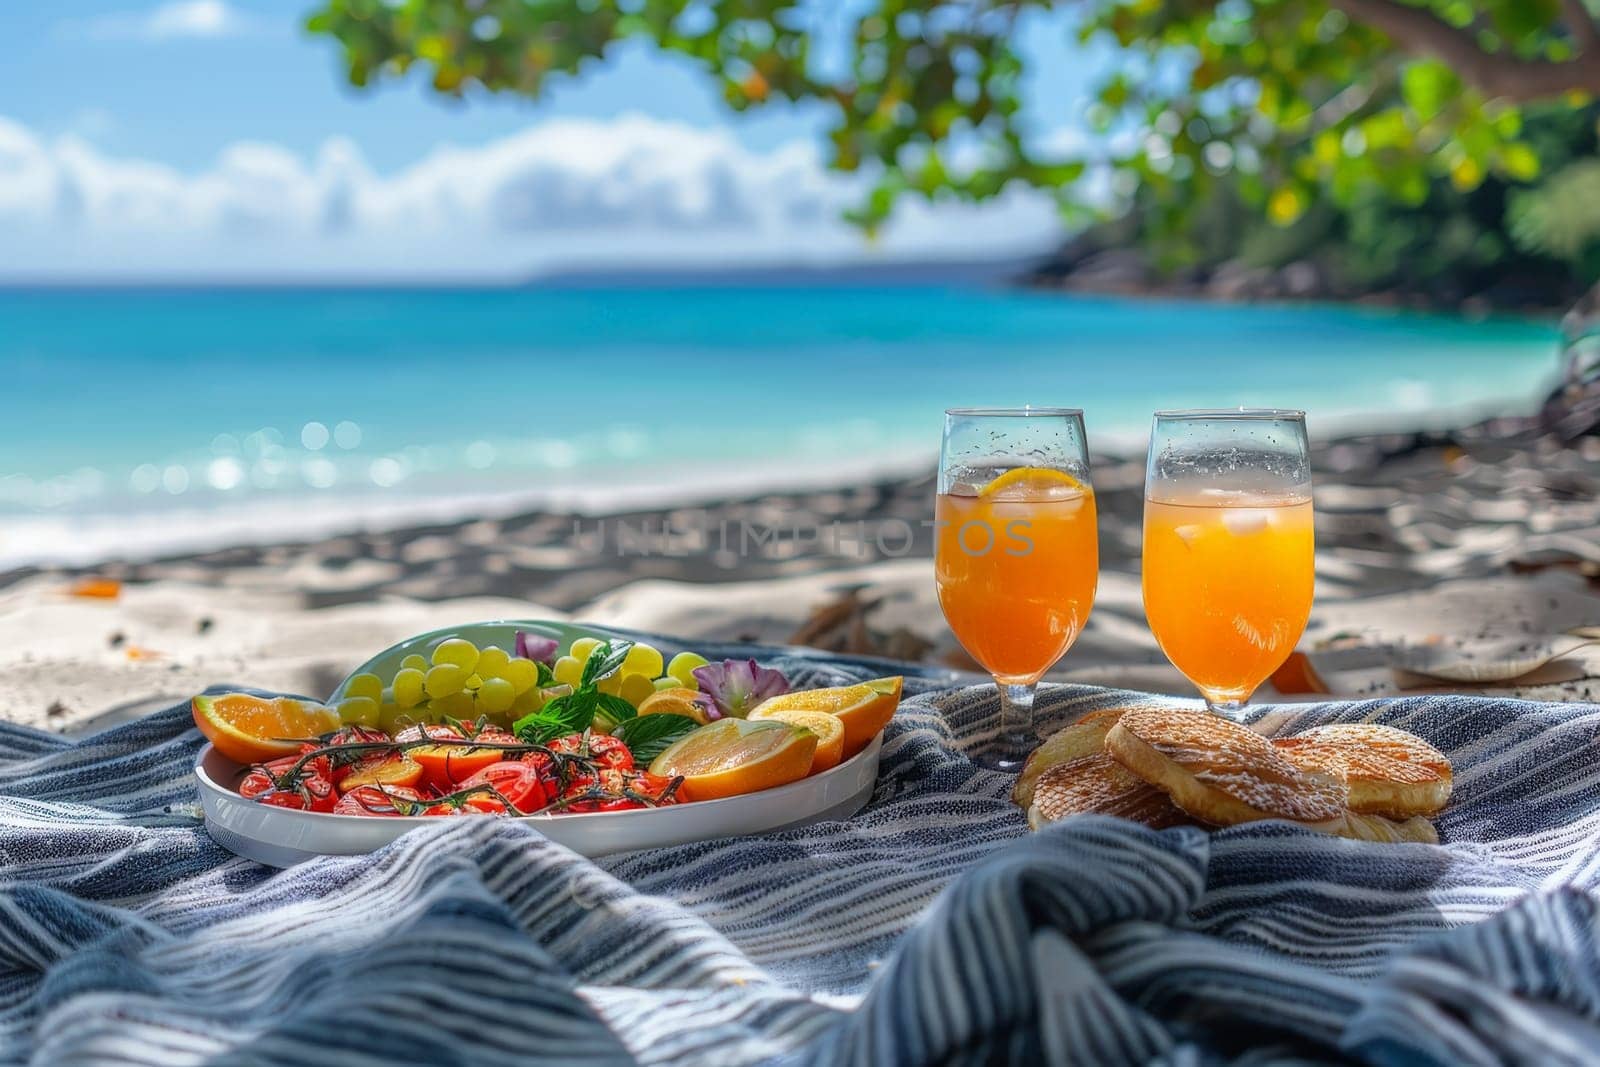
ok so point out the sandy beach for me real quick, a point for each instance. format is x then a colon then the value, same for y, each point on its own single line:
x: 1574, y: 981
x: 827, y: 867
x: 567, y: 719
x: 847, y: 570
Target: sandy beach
x: 1445, y: 561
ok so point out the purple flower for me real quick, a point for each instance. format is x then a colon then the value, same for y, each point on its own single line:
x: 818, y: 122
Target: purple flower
x: 737, y: 686
x: 536, y: 647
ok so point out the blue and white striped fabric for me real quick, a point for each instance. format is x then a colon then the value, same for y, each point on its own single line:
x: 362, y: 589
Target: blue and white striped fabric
x: 931, y: 928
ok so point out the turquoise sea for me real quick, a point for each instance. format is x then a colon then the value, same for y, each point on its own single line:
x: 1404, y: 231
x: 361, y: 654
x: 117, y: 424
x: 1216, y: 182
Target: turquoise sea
x: 141, y: 419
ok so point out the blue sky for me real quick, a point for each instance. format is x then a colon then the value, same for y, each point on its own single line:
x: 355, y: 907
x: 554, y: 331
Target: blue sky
x: 214, y: 137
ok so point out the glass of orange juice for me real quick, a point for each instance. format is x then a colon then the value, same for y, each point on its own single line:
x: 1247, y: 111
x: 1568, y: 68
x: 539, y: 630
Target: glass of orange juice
x: 1016, y: 557
x: 1228, y: 546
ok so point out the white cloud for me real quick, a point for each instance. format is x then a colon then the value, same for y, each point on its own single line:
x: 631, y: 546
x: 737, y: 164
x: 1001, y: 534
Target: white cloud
x: 175, y: 19
x: 629, y: 191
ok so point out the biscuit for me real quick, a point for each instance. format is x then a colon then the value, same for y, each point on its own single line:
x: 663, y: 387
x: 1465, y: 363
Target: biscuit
x: 1387, y: 771
x: 1354, y: 825
x: 1085, y: 737
x: 1219, y: 771
x: 1099, y: 785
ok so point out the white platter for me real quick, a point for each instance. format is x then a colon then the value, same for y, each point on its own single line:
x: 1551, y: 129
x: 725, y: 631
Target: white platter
x: 282, y: 837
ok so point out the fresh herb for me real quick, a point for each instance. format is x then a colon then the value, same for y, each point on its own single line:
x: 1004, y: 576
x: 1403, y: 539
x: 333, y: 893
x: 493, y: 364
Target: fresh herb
x: 576, y: 711
x: 611, y: 710
x: 604, y: 661
x: 647, y: 736
x: 547, y: 676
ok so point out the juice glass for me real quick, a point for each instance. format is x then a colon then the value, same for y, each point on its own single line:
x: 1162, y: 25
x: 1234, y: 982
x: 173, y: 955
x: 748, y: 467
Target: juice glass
x: 1228, y: 546
x: 1016, y: 557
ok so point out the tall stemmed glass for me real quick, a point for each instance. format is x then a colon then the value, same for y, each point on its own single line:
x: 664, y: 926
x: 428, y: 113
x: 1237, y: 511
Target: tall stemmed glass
x: 1228, y: 546
x: 1016, y: 558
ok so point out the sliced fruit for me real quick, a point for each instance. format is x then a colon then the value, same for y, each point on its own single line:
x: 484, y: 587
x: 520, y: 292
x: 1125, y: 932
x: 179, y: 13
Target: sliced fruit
x: 828, y: 727
x: 735, y: 756
x: 252, y: 729
x: 1025, y: 483
x: 676, y: 701
x: 864, y: 708
x: 384, y: 770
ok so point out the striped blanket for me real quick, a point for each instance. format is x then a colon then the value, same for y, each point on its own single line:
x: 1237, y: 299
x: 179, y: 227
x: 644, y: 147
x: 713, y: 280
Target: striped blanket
x: 931, y: 928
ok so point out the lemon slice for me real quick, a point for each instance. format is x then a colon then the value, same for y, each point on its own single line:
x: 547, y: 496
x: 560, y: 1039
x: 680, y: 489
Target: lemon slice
x: 1032, y: 481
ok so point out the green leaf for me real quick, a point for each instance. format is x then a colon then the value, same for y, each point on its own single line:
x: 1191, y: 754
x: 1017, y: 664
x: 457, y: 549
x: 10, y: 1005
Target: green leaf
x: 647, y: 736
x: 604, y: 661
x: 1427, y: 87
x: 1518, y: 161
x: 547, y: 676
x: 562, y: 716
x: 611, y: 710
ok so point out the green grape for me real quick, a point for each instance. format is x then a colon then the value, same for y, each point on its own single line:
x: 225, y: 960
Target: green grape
x: 642, y: 659
x: 393, y: 719
x: 474, y: 682
x: 457, y: 705
x: 583, y: 647
x: 611, y: 683
x: 414, y: 662
x: 569, y: 670
x: 445, y: 679
x: 364, y: 685
x: 358, y: 711
x: 669, y: 682
x: 409, y: 686
x: 492, y: 662
x: 523, y: 674
x: 682, y: 668
x: 457, y: 653
x: 496, y: 695
x: 527, y: 702
x: 635, y: 688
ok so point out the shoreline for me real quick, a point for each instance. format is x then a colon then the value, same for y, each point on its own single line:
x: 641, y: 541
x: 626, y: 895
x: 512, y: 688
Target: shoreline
x: 35, y: 543
x: 1440, y: 540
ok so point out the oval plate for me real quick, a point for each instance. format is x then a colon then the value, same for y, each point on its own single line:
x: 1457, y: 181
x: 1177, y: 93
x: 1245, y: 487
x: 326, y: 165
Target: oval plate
x: 282, y: 837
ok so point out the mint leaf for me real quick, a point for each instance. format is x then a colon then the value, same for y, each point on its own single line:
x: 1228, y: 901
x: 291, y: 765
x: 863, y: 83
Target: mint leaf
x: 611, y: 710
x: 647, y: 736
x: 605, y: 660
x: 564, y: 715
x: 546, y: 676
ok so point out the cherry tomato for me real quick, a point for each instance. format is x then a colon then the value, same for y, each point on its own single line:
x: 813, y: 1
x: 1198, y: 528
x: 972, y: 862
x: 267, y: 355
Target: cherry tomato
x: 619, y: 791
x: 605, y: 752
x: 444, y: 766
x: 524, y: 785
x: 482, y: 805
x: 375, y: 800
x: 313, y: 789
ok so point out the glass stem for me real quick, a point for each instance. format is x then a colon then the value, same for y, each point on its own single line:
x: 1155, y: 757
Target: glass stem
x: 1017, y: 737
x: 1228, y: 709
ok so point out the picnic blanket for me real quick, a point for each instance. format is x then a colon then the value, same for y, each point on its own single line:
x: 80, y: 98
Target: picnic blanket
x: 931, y: 928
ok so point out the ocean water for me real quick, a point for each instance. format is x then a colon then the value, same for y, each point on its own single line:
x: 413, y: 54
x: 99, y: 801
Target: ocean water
x: 137, y: 421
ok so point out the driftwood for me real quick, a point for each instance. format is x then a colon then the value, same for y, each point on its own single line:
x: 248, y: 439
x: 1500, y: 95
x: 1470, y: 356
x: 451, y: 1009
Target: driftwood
x: 841, y: 625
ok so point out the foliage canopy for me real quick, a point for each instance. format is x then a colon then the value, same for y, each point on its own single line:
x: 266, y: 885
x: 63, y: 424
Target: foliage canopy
x: 1285, y: 104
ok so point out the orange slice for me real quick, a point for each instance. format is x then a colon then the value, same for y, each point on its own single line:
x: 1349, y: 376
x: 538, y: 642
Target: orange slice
x: 385, y: 771
x: 1027, y: 483
x: 251, y: 729
x: 677, y: 701
x: 734, y: 756
x: 864, y: 708
x: 828, y: 727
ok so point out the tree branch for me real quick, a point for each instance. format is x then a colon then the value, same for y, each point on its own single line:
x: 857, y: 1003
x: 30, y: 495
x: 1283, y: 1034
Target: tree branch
x: 1584, y: 30
x: 1496, y: 74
